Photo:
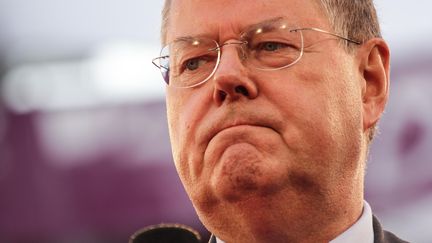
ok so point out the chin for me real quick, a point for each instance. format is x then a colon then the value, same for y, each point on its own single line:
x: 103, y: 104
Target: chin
x: 244, y: 173
x: 252, y: 182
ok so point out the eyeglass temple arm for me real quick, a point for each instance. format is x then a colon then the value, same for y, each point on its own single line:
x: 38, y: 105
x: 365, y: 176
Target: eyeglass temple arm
x: 329, y: 33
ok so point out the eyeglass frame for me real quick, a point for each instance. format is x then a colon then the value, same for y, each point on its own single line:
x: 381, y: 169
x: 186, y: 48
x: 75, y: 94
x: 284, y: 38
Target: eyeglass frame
x: 239, y: 42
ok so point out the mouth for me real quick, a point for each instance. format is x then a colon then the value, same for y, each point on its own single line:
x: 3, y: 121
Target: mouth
x: 232, y: 120
x: 234, y: 125
x: 239, y: 125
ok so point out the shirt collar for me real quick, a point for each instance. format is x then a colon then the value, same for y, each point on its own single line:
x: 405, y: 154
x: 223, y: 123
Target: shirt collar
x: 360, y: 232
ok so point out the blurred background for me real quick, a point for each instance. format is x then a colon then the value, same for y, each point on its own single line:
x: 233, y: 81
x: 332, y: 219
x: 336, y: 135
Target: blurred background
x: 84, y: 150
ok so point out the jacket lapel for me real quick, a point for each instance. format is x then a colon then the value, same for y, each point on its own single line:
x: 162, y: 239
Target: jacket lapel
x: 382, y: 236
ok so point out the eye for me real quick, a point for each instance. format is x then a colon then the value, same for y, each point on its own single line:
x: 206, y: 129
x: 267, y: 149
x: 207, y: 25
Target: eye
x: 271, y: 46
x: 200, y: 63
x: 192, y: 64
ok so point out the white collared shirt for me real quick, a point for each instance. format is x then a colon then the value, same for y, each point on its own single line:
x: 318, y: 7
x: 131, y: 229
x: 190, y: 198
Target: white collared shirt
x: 360, y: 232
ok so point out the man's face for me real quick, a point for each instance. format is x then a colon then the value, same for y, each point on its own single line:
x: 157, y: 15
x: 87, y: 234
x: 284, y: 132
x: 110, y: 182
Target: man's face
x: 295, y: 134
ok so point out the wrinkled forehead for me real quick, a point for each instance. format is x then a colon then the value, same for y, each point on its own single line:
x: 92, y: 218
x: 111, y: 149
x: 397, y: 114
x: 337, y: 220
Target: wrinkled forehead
x: 225, y: 19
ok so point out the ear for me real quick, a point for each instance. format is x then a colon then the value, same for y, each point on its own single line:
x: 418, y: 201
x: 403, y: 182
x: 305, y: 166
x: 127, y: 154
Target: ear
x: 375, y: 69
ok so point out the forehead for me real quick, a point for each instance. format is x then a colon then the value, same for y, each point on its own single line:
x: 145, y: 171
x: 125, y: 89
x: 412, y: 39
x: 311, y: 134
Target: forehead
x: 225, y: 19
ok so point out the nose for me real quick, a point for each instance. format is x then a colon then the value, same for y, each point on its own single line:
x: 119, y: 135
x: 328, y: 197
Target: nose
x: 231, y: 78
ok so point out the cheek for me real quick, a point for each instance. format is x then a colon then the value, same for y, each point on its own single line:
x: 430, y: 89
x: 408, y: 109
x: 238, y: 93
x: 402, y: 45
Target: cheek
x: 335, y: 118
x: 172, y: 106
x: 175, y: 104
x: 178, y: 116
x: 185, y: 111
x: 321, y: 105
x: 331, y: 91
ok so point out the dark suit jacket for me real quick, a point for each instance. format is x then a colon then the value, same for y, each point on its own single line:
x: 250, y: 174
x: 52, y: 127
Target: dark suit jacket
x: 175, y: 233
x: 380, y: 235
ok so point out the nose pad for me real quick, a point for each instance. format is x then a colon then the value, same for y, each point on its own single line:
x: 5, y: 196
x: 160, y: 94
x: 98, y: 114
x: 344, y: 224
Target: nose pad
x: 242, y: 52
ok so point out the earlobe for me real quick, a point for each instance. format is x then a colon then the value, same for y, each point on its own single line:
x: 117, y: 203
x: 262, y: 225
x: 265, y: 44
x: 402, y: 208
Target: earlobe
x: 375, y: 69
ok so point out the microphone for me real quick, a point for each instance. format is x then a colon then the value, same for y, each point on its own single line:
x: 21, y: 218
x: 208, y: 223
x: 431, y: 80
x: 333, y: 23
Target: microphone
x: 166, y: 233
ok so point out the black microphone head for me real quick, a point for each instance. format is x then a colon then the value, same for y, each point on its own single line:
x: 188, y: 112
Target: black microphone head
x: 166, y: 233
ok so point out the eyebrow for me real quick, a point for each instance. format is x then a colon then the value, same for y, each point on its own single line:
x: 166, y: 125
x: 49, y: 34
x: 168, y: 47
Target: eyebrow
x: 268, y: 23
x: 185, y: 38
x: 263, y: 24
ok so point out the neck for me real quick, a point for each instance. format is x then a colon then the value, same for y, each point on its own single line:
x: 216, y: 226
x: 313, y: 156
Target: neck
x: 267, y: 220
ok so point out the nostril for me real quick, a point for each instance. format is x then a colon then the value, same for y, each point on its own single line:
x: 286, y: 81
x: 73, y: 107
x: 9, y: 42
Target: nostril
x: 242, y: 90
x: 222, y: 95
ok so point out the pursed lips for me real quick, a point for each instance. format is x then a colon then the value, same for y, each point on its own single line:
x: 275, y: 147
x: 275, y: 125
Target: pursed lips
x: 236, y: 125
x: 215, y: 130
x: 221, y: 120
